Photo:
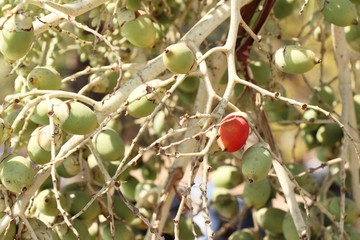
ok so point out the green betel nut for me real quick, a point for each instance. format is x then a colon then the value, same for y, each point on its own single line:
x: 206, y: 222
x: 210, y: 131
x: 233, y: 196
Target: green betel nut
x: 140, y: 32
x: 16, y: 173
x: 144, y: 99
x: 16, y: 36
x: 256, y: 162
x: 178, y: 58
x: 109, y: 145
x: 295, y: 59
x: 40, y: 115
x: 340, y: 12
x: 256, y: 194
x: 39, y: 146
x: 44, y: 78
x: 45, y: 202
x: 76, y: 118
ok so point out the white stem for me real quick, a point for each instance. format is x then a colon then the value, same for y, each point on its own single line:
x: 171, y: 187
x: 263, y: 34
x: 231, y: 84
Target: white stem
x: 348, y: 118
x: 72, y: 9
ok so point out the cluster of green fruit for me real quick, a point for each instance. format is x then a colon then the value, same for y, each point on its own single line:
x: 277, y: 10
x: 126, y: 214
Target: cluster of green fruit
x: 338, y: 12
x: 258, y: 191
x: 136, y: 36
x: 256, y: 163
x: 325, y: 137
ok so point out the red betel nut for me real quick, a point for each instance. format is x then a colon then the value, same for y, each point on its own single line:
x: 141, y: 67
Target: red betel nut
x: 234, y: 131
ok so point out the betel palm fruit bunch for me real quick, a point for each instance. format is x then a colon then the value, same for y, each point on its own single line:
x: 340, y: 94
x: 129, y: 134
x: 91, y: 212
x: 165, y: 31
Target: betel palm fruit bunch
x: 16, y: 36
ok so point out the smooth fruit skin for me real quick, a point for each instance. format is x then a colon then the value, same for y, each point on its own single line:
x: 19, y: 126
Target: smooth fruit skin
x: 122, y: 231
x: 40, y: 115
x: 284, y: 8
x: 226, y: 176
x: 340, y: 12
x: 256, y: 194
x: 140, y: 32
x: 329, y: 134
x: 128, y: 187
x: 78, y: 200
x: 109, y: 145
x: 17, y: 36
x: 323, y: 96
x: 270, y: 219
x: 289, y: 229
x: 143, y: 103
x: 70, y: 167
x: 37, y: 154
x: 122, y: 210
x: 186, y: 227
x: 233, y: 132
x: 147, y: 194
x: 244, y: 234
x: 352, y: 35
x: 16, y: 173
x: 39, y: 146
x: 224, y: 203
x: 352, y: 231
x: 190, y: 84
x: 295, y: 59
x: 10, y: 118
x: 45, y: 202
x: 133, y: 4
x: 256, y: 162
x: 44, y: 78
x: 81, y: 120
x: 66, y: 233
x: 351, y: 209
x: 310, y: 116
x: 178, y: 58
x: 261, y: 71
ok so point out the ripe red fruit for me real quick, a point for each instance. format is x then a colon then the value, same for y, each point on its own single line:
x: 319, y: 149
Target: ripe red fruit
x: 234, y: 131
